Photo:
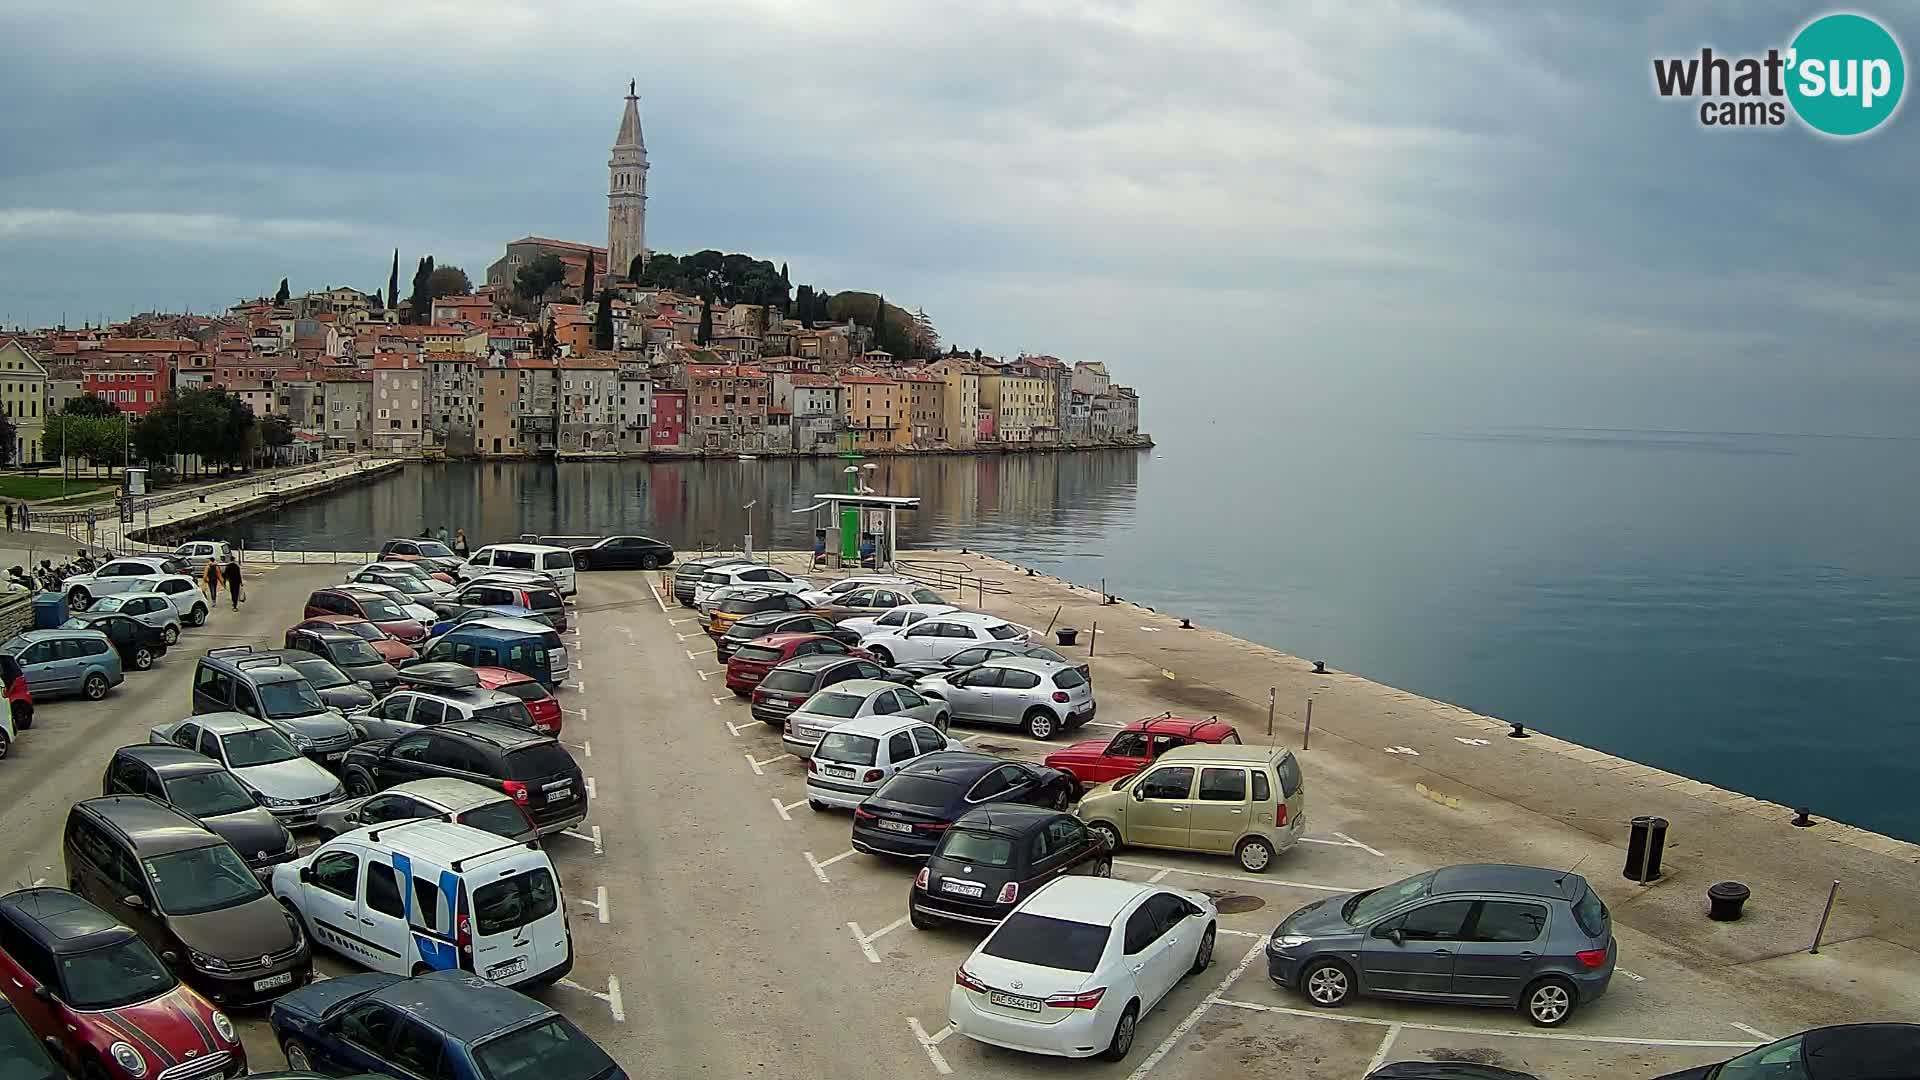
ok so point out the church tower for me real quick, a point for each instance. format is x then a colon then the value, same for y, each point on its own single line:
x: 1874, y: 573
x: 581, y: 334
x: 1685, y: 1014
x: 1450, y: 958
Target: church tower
x: 627, y: 192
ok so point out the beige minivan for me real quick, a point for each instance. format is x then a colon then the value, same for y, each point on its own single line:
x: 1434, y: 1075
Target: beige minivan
x: 1219, y: 798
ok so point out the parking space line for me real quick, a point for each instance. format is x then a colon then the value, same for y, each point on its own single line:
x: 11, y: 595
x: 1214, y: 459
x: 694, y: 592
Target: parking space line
x: 718, y: 700
x: 1240, y: 933
x: 576, y: 684
x: 1155, y: 879
x: 705, y: 675
x: 1457, y: 1029
x: 1186, y: 1025
x: 598, y: 903
x: 1235, y: 877
x: 590, y: 793
x: 677, y: 622
x: 690, y: 655
x: 1629, y: 974
x: 656, y: 597
x: 931, y: 1044
x: 757, y: 770
x: 1755, y: 1032
x: 738, y: 728
x: 865, y: 941
x: 586, y: 746
x: 820, y: 868
x: 782, y: 808
x: 1371, y: 851
x: 581, y: 712
x: 684, y: 637
x: 1386, y: 1047
x: 611, y: 997
x: 592, y: 837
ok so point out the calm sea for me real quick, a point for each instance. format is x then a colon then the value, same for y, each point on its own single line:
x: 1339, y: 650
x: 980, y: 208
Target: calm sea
x: 1734, y: 600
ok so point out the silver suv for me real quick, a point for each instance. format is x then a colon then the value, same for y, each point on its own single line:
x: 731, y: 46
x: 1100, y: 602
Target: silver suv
x: 1042, y: 696
x: 235, y: 679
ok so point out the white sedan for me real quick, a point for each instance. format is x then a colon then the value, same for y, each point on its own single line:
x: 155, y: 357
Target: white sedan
x: 860, y: 581
x: 381, y: 573
x: 1075, y: 966
x: 939, y: 636
x: 746, y: 573
x: 894, y: 618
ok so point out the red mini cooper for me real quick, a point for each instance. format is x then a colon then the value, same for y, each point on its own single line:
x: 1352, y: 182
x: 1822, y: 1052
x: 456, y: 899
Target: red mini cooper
x: 96, y: 995
x: 1134, y: 748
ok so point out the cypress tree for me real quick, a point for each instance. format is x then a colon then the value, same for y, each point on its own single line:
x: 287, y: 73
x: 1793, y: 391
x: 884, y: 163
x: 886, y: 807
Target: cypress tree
x: 603, y: 321
x: 705, y: 335
x: 586, y: 290
x: 393, y: 281
x: 281, y: 296
x: 880, y: 322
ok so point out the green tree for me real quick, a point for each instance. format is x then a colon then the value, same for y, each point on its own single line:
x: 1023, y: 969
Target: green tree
x: 786, y: 289
x: 7, y: 437
x: 420, y: 302
x: 90, y: 404
x: 393, y: 282
x: 638, y: 267
x: 586, y: 282
x: 448, y: 280
x: 535, y: 278
x: 803, y: 305
x: 705, y: 334
x: 603, y: 321
x: 281, y: 296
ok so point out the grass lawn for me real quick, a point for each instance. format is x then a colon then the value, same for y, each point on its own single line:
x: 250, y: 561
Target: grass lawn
x: 48, y: 487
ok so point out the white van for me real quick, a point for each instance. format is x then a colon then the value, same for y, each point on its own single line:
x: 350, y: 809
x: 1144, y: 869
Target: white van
x: 555, y: 562
x: 415, y: 896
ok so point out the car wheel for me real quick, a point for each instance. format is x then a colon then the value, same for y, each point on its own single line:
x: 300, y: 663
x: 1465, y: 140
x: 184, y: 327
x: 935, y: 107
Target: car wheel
x: 817, y: 806
x: 22, y: 715
x: 1122, y: 1034
x: 649, y: 562
x: 171, y: 635
x: 919, y: 921
x: 299, y: 1057
x: 1255, y: 855
x: 1059, y: 800
x: 78, y: 599
x: 1203, y: 959
x: 142, y: 658
x: 942, y: 721
x: 1549, y: 1001
x: 1103, y: 868
x: 359, y: 784
x: 881, y: 656
x: 1041, y: 724
x: 581, y: 562
x: 198, y: 616
x: 92, y: 1069
x: 1108, y: 835
x: 6, y: 745
x: 1327, y: 983
x: 95, y: 687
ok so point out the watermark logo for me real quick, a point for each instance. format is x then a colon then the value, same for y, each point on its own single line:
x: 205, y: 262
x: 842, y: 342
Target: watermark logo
x: 1842, y: 75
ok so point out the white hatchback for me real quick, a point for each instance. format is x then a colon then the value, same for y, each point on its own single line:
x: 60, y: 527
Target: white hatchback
x: 894, y: 618
x: 853, y: 759
x: 940, y: 636
x: 1074, y: 967
x: 746, y: 573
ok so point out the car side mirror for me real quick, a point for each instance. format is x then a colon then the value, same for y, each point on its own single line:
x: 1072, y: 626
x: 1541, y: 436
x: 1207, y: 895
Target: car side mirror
x: 41, y: 993
x: 306, y: 872
x: 170, y: 957
x: 1397, y: 936
x: 134, y: 901
x: 1139, y: 793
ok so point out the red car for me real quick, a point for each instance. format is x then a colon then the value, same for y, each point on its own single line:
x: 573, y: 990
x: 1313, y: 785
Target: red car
x: 531, y: 691
x: 1098, y: 760
x: 112, y: 1009
x: 751, y: 661
x: 391, y: 649
x: 377, y: 609
x: 19, y: 694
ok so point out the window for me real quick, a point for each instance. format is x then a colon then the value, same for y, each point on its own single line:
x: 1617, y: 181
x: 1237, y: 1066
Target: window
x: 1048, y: 942
x: 244, y: 700
x: 413, y: 748
x: 1434, y: 922
x: 1590, y: 913
x: 1128, y: 744
x: 927, y: 740
x: 1065, y: 834
x: 1505, y: 920
x: 1142, y: 929
x: 507, y: 905
x: 1261, y: 792
x: 370, y: 1025
x: 336, y: 872
x: 1017, y: 679
x: 900, y: 746
x: 1290, y: 777
x: 429, y: 711
x: 214, y: 683
x: 383, y: 890
x: 1223, y: 785
x: 1173, y: 782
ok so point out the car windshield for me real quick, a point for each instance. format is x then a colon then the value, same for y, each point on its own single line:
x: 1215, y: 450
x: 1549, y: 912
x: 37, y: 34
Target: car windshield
x: 355, y: 653
x: 544, y: 600
x: 1069, y: 678
x: 109, y: 603
x: 1370, y: 905
x: 511, y: 713
x: 292, y: 697
x: 530, y: 690
x: 366, y: 630
x: 1061, y: 944
x: 539, y: 761
x: 320, y: 674
x: 1003, y: 631
x: 433, y: 549
x: 201, y: 879
x: 926, y: 596
x: 1043, y: 653
x: 1774, y: 1061
x: 208, y: 794
x: 550, y: 1049
x: 113, y: 975
x: 412, y: 586
x: 502, y: 818
x: 969, y: 846
x: 848, y: 749
x: 258, y: 746
x: 829, y: 703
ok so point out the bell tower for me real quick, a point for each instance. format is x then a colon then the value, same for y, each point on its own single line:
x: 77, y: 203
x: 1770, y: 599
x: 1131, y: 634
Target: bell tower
x: 627, y: 192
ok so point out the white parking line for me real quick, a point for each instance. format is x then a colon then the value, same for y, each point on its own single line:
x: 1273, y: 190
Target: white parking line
x: 782, y: 808
x: 1193, y: 1017
x: 576, y: 685
x: 577, y: 665
x: 757, y: 770
x: 1361, y: 846
x: 586, y: 746
x: 677, y: 622
x: 598, y: 904
x: 718, y: 700
x: 1155, y: 879
x: 1234, y: 877
x: 611, y: 997
x: 656, y: 598
x: 705, y: 675
x: 1753, y: 1031
x: 1456, y: 1029
x: 865, y: 941
x: 590, y: 793
x: 931, y: 1044
x: 820, y: 868
x: 684, y: 637
x: 581, y: 712
x: 592, y: 837
x: 690, y: 655
x: 738, y: 728
x: 1629, y: 974
x: 1386, y: 1047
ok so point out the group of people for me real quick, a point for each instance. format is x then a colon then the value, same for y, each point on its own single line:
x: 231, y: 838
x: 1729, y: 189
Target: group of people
x: 25, y: 516
x: 228, y: 572
x: 458, y: 543
x: 869, y: 549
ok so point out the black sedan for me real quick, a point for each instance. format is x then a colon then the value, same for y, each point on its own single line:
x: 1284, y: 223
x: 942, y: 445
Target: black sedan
x: 913, y: 810
x: 138, y: 644
x: 780, y: 622
x: 203, y: 789
x: 623, y: 553
x: 995, y: 857
x: 1841, y: 1052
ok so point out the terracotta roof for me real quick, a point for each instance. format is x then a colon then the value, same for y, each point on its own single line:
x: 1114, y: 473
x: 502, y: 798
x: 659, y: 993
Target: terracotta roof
x: 867, y: 380
x: 589, y: 363
x: 527, y: 363
x: 814, y: 380
x: 338, y: 375
x: 779, y: 410
x: 565, y: 245
x: 149, y: 345
x: 451, y: 358
x: 394, y: 362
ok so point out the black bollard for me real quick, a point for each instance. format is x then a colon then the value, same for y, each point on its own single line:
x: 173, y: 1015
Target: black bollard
x: 1646, y: 840
x: 1319, y: 667
x: 1803, y: 818
x: 1725, y: 899
x: 1519, y: 731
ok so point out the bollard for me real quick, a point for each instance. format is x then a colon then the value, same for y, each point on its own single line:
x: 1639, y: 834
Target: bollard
x: 1645, y: 841
x: 1825, y: 913
x: 1803, y: 818
x: 1725, y: 899
x: 1270, y: 693
x: 1519, y: 731
x: 1093, y: 635
x: 1066, y: 635
x: 1319, y: 667
x: 1306, y: 740
x: 1186, y: 624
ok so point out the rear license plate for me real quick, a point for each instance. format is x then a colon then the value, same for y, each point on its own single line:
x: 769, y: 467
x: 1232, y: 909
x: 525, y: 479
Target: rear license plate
x: 336, y: 755
x: 1011, y: 1001
x: 962, y: 888
x: 562, y: 795
x: 508, y: 969
x: 895, y: 826
x: 285, y: 978
x: 833, y: 770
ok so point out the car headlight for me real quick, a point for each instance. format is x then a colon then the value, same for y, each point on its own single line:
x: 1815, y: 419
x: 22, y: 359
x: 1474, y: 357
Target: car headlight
x: 1291, y: 941
x: 224, y: 1027
x: 301, y: 742
x: 277, y: 803
x: 212, y: 965
x: 129, y: 1059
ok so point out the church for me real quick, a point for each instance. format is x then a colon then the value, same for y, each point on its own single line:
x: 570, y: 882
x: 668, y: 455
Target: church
x: 626, y: 218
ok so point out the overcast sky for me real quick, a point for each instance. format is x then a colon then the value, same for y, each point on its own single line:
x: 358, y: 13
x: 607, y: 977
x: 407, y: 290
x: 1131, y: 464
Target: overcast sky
x: 1286, y: 191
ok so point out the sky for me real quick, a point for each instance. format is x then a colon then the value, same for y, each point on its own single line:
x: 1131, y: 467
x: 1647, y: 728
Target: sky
x: 1327, y: 202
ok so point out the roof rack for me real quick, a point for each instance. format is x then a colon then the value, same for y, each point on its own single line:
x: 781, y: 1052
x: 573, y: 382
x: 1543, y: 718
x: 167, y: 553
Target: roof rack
x: 373, y: 835
x: 259, y: 661
x: 230, y: 650
x: 530, y: 845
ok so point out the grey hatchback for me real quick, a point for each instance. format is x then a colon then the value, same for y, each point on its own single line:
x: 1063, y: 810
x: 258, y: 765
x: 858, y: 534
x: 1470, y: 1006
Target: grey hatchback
x: 1475, y: 934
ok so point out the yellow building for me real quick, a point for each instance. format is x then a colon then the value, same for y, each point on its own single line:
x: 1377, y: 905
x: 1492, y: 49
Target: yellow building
x: 877, y: 413
x: 1020, y: 405
x: 23, y: 397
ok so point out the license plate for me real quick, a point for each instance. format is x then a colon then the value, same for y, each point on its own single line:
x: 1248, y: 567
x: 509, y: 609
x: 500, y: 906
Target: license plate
x: 836, y: 771
x: 563, y: 795
x: 336, y: 755
x: 962, y: 888
x: 896, y: 826
x: 285, y: 978
x: 508, y: 969
x: 1013, y: 1001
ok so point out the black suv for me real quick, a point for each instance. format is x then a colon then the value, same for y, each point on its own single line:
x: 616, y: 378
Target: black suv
x: 535, y: 769
x: 189, y: 895
x: 780, y: 622
x: 783, y: 689
x: 349, y: 652
x: 204, y: 790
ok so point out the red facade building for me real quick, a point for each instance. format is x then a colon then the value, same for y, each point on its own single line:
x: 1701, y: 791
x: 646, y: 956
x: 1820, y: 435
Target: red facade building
x: 669, y: 419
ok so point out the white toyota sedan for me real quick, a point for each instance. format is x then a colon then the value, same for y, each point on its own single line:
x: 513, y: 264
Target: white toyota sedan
x: 1077, y: 964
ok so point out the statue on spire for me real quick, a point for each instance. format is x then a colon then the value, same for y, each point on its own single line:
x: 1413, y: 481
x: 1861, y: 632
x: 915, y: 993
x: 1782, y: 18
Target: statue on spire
x: 630, y: 83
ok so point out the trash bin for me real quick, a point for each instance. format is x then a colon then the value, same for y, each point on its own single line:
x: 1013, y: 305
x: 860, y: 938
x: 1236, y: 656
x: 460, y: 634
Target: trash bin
x: 1645, y: 841
x: 1066, y: 634
x: 1725, y: 899
x: 49, y: 610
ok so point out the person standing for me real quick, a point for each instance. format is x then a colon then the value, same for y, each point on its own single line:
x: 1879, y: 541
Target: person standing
x: 9, y: 517
x: 232, y: 576
x: 441, y: 536
x: 819, y: 547
x: 460, y: 543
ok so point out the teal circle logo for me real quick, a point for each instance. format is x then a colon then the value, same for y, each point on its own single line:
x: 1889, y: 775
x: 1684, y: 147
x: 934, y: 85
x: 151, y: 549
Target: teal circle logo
x: 1846, y: 73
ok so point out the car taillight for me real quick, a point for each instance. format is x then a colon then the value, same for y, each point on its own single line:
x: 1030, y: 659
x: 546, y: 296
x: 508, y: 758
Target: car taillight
x: 872, y: 776
x: 1280, y: 815
x: 463, y: 935
x: 861, y: 813
x: 516, y: 789
x: 812, y: 767
x: 1086, y: 999
x: 1592, y: 958
x: 920, y: 879
x: 964, y: 978
x: 1008, y: 893
x: 1060, y: 696
x: 934, y: 826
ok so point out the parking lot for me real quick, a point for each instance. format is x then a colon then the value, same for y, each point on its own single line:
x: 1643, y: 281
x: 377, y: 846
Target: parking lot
x: 723, y: 927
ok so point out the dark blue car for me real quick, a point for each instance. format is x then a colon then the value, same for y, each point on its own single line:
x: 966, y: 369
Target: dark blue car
x: 449, y: 1025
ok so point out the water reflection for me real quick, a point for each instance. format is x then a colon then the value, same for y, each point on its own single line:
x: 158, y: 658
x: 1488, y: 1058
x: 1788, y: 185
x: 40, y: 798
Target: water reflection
x: 1055, y: 503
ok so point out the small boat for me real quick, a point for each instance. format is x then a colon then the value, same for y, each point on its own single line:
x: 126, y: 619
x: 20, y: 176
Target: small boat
x: 748, y: 457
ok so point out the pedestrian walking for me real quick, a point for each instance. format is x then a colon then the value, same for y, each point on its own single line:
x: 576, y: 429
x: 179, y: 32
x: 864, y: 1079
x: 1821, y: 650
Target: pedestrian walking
x: 9, y: 517
x: 26, y: 521
x: 212, y: 581
x: 232, y: 576
x: 460, y: 543
x: 441, y: 535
